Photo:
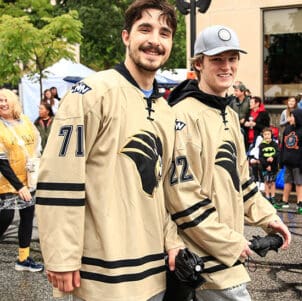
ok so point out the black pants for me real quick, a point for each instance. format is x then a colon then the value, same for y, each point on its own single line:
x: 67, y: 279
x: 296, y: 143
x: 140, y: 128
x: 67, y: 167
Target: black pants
x: 25, y: 225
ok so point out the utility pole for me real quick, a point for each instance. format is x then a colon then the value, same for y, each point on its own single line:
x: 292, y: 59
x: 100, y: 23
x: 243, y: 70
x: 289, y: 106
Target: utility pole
x: 190, y: 7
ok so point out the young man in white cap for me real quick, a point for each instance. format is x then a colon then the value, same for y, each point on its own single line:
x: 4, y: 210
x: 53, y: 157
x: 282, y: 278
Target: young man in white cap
x: 210, y: 194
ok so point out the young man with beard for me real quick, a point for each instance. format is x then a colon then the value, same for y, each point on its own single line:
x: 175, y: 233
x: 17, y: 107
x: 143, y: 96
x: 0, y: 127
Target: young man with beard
x: 102, y: 219
x: 210, y: 194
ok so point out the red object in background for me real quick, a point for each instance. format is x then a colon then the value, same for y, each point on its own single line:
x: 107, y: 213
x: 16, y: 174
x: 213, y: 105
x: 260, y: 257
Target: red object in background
x: 191, y: 75
x: 167, y: 93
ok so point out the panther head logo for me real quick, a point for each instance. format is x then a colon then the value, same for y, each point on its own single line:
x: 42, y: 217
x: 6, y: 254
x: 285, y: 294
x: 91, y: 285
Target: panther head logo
x: 145, y: 149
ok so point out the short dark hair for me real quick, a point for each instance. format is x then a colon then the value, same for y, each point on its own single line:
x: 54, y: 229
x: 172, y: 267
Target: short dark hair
x: 135, y: 10
x: 257, y: 99
x: 267, y: 129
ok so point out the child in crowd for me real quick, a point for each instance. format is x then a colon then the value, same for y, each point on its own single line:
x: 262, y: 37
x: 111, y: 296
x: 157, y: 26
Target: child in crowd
x: 291, y: 158
x: 269, y: 158
x: 255, y: 168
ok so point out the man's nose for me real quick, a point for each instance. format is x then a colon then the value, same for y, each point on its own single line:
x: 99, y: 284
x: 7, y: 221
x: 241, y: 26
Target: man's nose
x: 154, y: 38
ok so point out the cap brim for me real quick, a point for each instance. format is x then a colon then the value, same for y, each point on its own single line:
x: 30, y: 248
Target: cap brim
x: 222, y: 49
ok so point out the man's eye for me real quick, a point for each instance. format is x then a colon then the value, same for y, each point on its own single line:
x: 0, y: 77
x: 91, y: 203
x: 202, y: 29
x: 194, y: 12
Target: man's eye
x: 144, y: 29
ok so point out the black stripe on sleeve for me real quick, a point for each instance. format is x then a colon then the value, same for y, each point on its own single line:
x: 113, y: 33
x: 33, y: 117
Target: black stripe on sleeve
x: 191, y: 209
x: 122, y: 278
x: 250, y: 194
x: 61, y: 186
x: 246, y: 184
x: 122, y: 263
x: 197, y: 220
x: 60, y: 201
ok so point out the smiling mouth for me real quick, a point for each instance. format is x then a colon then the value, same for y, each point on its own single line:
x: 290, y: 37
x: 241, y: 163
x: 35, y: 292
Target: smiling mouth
x: 151, y: 50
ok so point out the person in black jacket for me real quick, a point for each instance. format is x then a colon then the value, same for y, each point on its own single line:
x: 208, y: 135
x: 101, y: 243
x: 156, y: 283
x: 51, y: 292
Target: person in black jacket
x: 291, y: 158
x: 269, y: 160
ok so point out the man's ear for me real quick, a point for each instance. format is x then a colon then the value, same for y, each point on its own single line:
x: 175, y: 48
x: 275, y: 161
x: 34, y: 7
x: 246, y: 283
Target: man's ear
x: 198, y: 65
x: 125, y: 37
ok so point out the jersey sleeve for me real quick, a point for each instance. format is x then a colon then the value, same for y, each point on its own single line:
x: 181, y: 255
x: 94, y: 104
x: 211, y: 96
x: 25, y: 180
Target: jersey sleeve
x: 61, y: 184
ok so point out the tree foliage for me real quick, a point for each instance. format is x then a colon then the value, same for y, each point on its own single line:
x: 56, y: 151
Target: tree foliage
x: 29, y: 43
x: 102, y: 45
x: 35, y: 34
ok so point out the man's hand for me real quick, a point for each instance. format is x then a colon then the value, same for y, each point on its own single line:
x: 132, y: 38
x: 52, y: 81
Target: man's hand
x: 171, y: 258
x: 246, y: 252
x: 64, y: 281
x: 281, y: 228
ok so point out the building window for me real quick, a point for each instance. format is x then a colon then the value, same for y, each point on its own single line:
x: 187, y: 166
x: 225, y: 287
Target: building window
x: 282, y: 49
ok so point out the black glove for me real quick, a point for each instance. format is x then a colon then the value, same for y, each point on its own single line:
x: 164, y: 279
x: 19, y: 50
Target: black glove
x: 182, y: 282
x: 188, y: 267
x: 261, y: 245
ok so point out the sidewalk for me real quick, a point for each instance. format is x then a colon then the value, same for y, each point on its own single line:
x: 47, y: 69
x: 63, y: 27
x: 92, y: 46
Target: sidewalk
x: 21, y: 286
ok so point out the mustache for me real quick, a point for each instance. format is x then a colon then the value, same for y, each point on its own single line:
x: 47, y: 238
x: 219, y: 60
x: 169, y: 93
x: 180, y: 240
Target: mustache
x: 154, y: 48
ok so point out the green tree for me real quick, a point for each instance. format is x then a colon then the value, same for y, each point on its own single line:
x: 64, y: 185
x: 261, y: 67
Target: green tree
x: 102, y: 46
x: 25, y: 48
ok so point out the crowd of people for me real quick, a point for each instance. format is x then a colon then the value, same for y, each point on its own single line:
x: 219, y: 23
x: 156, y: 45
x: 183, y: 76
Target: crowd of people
x: 145, y: 177
x: 270, y: 148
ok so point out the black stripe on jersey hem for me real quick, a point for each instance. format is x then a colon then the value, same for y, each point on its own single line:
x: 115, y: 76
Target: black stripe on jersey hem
x: 60, y: 201
x: 247, y: 183
x: 219, y: 267
x: 122, y: 278
x: 250, y: 194
x: 191, y: 209
x: 197, y: 220
x: 61, y: 186
x: 122, y: 263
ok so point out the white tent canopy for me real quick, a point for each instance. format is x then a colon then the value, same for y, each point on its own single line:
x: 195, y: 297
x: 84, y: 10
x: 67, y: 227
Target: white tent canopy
x: 29, y: 90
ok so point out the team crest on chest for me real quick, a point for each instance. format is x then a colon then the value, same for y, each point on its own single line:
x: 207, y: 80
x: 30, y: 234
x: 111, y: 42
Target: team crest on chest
x: 145, y: 149
x: 226, y: 157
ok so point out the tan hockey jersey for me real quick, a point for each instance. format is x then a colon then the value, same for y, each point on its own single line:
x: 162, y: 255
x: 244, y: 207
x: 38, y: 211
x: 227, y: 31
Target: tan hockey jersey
x: 100, y: 202
x: 210, y: 193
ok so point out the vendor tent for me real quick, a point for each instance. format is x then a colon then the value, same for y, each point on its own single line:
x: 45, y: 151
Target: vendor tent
x: 29, y: 89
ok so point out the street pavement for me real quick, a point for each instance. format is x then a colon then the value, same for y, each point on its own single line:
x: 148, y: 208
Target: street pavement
x: 278, y: 276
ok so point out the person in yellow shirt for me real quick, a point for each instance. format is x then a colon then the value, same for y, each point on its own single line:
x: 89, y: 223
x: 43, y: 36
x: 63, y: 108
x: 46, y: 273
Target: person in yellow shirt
x: 19, y: 142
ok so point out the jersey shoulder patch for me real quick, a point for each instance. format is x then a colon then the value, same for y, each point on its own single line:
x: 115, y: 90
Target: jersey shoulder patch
x: 80, y: 88
x: 179, y: 125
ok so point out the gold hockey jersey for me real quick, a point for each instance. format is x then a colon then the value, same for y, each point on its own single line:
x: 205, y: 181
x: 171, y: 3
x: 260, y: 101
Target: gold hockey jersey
x: 210, y: 194
x: 100, y: 203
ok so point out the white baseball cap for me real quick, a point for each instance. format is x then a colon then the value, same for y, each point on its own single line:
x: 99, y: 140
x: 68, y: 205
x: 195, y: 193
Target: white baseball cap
x: 216, y: 39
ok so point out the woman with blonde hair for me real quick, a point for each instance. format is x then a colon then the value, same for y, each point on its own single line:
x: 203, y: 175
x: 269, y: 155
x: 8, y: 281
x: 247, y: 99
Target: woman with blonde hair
x: 291, y: 104
x: 19, y: 144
